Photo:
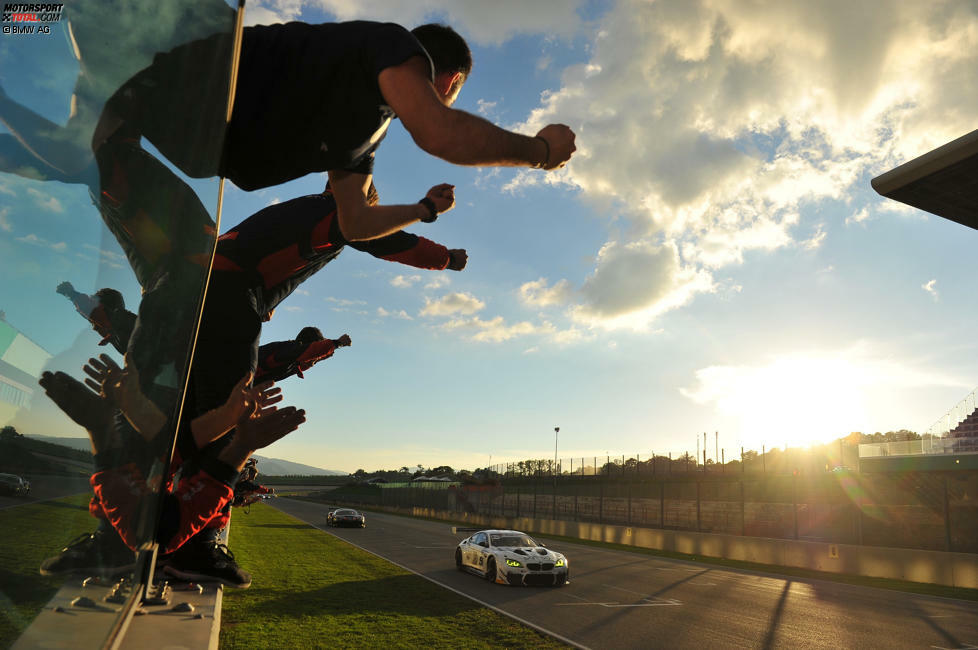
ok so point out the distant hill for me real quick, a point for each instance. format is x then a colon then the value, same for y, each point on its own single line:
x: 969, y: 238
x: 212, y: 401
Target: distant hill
x: 267, y: 466
x: 279, y: 467
x: 81, y: 444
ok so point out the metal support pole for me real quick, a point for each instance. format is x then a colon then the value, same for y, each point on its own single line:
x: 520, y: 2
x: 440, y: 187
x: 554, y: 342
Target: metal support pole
x: 517, y: 502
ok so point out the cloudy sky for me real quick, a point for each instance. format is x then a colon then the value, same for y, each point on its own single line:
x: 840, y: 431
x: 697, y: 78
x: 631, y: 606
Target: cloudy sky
x: 712, y: 259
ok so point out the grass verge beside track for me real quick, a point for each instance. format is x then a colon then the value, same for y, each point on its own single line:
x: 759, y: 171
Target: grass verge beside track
x: 32, y: 532
x: 312, y: 590
x: 960, y: 593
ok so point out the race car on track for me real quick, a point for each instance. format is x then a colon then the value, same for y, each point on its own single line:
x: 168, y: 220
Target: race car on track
x: 345, y: 517
x: 510, y: 557
x: 14, y: 485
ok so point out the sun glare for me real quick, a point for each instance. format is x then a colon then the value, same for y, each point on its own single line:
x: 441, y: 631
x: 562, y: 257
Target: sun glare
x: 795, y: 400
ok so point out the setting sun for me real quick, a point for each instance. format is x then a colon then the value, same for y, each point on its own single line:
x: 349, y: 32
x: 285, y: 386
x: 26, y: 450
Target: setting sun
x: 793, y: 400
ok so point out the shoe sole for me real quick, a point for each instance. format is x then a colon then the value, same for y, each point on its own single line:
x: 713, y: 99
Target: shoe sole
x: 190, y: 576
x: 100, y: 571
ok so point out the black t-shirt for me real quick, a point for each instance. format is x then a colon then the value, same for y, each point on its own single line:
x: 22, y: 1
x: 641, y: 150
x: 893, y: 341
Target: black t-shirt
x: 307, y: 99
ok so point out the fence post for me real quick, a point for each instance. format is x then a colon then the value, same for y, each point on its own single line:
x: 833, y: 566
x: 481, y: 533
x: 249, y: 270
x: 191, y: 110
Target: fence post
x: 794, y: 501
x: 628, y: 517
x: 947, y: 518
x: 577, y: 488
x: 601, y: 503
x: 554, y: 511
x: 698, y: 526
x: 517, y: 502
x: 743, y: 510
x: 662, y: 504
x: 534, y: 498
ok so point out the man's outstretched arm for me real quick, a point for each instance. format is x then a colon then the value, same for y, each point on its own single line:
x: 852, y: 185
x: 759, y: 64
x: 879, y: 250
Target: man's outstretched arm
x: 462, y: 138
x: 359, y: 221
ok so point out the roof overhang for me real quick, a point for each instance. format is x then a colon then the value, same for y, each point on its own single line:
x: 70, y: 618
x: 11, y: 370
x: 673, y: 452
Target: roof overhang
x: 943, y: 181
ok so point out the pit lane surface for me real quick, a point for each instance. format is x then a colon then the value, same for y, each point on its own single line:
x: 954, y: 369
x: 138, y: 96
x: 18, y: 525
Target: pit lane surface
x: 618, y: 599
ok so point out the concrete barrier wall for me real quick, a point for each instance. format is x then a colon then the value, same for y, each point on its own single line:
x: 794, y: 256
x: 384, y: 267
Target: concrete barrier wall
x: 933, y: 567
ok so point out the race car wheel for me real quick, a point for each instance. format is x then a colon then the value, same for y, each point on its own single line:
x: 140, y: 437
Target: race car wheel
x: 458, y: 560
x: 491, y: 569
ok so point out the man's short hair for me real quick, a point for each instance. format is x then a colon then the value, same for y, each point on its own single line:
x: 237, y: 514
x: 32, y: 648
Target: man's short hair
x: 309, y: 335
x: 110, y: 299
x: 448, y: 51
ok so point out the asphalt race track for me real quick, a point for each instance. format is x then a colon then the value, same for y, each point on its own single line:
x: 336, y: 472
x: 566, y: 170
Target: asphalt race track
x: 44, y: 488
x: 618, y: 599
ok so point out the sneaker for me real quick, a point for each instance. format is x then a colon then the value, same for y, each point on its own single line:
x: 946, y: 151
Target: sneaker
x: 206, y: 561
x: 98, y: 553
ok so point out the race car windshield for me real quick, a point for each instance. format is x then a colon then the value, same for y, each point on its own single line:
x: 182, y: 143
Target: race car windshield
x: 512, y: 540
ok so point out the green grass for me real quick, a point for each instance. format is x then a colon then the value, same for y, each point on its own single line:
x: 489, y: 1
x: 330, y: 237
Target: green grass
x: 30, y: 534
x: 312, y: 590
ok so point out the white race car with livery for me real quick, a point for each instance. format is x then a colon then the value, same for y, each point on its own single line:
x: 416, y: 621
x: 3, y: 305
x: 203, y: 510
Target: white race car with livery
x: 510, y: 557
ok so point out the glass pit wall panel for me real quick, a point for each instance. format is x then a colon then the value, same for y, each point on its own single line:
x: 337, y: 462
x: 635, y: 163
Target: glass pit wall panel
x: 109, y: 199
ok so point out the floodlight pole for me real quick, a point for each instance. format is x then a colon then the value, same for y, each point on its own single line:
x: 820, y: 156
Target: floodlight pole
x: 556, y: 431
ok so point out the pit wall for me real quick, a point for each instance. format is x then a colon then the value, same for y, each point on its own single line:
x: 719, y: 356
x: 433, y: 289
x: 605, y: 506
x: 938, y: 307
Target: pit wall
x: 933, y: 567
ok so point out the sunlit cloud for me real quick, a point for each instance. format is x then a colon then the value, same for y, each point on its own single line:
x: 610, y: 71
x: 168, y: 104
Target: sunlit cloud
x: 405, y: 281
x: 345, y: 302
x: 805, y: 116
x: 497, y: 330
x: 538, y: 294
x: 453, y: 303
x: 438, y: 282
x: 45, y: 201
x: 931, y: 288
x: 400, y: 313
x: 479, y: 21
x: 34, y: 240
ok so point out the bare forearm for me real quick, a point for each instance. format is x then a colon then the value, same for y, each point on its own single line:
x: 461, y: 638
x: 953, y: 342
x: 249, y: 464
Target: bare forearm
x: 373, y: 222
x: 210, y: 426
x: 235, y: 454
x: 466, y: 139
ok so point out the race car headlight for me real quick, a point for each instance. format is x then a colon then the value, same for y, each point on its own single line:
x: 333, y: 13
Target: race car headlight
x: 515, y: 563
x: 559, y: 563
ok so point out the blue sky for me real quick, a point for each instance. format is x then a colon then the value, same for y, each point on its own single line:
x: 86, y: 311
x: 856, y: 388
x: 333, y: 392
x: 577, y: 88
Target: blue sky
x: 713, y: 259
